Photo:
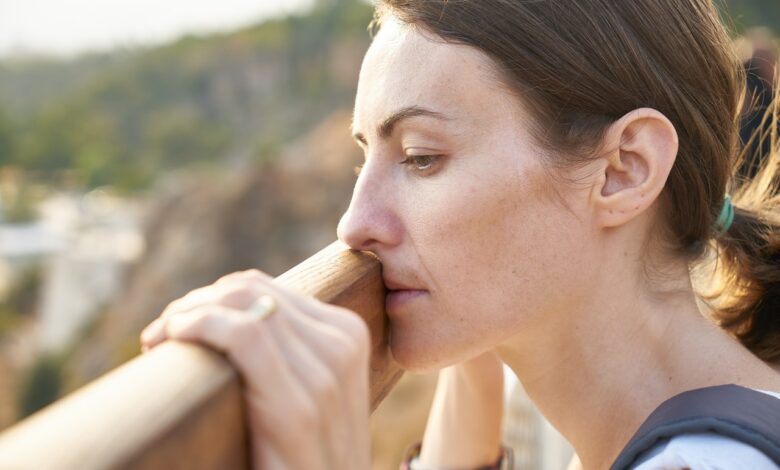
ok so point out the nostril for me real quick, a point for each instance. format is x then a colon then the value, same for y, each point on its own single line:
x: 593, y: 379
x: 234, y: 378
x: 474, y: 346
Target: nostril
x: 366, y: 245
x: 357, y: 242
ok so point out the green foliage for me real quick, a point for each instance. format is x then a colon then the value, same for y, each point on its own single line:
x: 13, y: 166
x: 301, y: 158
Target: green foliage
x: 27, y: 85
x: 179, y: 136
x: 20, y: 300
x: 9, y: 322
x: 7, y: 139
x: 41, y: 385
x: 747, y: 13
x: 190, y: 103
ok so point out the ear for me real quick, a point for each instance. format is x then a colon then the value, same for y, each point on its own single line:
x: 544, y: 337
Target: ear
x: 639, y: 151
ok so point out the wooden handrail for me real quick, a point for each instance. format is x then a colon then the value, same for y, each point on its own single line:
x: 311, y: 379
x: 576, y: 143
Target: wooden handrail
x: 180, y: 405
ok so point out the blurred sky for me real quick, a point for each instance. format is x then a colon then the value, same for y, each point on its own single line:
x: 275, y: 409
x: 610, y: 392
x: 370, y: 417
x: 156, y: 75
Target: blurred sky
x: 67, y: 27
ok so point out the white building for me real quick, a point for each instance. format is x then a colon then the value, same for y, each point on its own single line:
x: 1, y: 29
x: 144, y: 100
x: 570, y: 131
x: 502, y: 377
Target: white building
x: 82, y: 244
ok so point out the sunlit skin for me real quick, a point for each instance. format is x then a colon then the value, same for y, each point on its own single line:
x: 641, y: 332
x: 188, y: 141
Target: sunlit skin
x: 559, y: 271
x: 463, y: 225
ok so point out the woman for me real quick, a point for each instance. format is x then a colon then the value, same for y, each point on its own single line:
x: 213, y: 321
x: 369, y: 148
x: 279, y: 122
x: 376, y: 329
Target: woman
x: 539, y: 179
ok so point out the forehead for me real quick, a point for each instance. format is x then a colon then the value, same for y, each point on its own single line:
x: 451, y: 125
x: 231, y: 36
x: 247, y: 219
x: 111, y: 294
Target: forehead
x: 408, y: 66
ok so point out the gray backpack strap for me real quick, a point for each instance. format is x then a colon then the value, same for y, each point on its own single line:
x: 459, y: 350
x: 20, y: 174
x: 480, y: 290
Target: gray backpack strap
x: 729, y: 410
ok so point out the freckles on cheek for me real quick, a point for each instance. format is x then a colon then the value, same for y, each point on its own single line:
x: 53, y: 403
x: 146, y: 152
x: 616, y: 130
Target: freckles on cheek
x: 474, y: 226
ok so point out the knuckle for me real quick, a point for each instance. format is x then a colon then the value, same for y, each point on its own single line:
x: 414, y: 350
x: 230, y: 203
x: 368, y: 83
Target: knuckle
x: 173, y: 306
x: 237, y: 295
x: 253, y: 273
x: 244, y: 275
x: 183, y: 323
x: 185, y: 301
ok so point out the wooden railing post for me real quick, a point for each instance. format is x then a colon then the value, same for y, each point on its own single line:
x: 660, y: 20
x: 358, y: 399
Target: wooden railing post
x: 180, y: 406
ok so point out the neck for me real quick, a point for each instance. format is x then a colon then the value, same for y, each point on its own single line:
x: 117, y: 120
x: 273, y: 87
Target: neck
x: 611, y: 357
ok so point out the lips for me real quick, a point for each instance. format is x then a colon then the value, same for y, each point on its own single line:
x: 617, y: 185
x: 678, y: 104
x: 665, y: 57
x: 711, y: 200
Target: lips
x: 399, y: 294
x: 398, y: 298
x: 394, y: 285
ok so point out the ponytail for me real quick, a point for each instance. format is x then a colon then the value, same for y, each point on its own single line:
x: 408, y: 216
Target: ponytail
x: 747, y: 290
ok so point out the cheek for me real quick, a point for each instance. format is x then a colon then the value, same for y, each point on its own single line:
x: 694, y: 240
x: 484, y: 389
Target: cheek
x: 486, y: 231
x: 464, y: 241
x: 497, y: 249
x: 496, y: 252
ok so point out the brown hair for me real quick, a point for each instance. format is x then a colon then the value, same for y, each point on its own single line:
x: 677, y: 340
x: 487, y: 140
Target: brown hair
x: 581, y: 65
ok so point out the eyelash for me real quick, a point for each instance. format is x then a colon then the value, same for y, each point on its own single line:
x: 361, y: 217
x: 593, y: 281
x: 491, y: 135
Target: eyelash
x: 410, y: 161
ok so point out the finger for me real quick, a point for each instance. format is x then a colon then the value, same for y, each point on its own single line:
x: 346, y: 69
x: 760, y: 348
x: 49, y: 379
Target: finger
x: 238, y: 296
x: 262, y: 282
x: 185, y: 325
x: 305, y: 340
x: 242, y: 338
x: 238, y: 290
x: 240, y: 293
x: 217, y: 326
x: 272, y: 370
x: 339, y: 317
x: 236, y: 334
x: 344, y: 347
x: 153, y: 334
x: 226, y: 290
x: 315, y: 378
x: 217, y: 293
x: 241, y: 275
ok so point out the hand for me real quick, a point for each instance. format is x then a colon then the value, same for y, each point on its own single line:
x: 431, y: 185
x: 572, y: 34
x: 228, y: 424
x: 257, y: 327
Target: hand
x: 304, y: 369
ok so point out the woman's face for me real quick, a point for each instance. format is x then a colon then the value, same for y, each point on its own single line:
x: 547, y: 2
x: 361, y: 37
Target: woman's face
x: 477, y: 241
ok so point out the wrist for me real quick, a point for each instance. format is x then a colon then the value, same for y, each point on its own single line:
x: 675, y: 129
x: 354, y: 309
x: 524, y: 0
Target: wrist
x: 503, y: 461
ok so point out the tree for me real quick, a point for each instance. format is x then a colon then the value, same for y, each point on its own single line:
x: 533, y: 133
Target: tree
x: 41, y: 386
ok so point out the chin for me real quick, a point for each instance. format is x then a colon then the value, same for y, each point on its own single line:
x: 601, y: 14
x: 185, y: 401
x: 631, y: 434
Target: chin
x: 408, y: 354
x: 418, y: 354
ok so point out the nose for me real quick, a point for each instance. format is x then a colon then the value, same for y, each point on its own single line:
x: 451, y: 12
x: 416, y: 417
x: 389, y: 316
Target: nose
x: 370, y: 223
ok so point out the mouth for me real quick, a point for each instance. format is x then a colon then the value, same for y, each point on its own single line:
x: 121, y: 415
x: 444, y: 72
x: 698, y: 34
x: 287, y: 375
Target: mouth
x: 399, y: 295
x: 397, y: 298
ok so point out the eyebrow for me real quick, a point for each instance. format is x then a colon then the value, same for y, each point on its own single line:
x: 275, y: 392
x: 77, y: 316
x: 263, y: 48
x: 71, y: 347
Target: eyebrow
x: 385, y: 130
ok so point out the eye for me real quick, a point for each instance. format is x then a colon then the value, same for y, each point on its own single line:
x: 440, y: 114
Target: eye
x: 420, y: 163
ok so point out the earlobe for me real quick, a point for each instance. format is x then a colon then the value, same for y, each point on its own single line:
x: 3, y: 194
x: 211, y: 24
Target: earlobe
x: 639, y: 152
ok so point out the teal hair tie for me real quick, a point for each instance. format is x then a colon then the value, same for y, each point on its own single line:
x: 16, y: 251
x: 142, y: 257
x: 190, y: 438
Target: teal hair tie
x: 726, y: 217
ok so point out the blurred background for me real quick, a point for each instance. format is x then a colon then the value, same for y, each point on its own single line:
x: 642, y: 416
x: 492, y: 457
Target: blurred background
x: 147, y: 148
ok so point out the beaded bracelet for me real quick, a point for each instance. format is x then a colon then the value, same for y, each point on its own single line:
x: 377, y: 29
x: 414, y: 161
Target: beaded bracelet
x: 505, y: 459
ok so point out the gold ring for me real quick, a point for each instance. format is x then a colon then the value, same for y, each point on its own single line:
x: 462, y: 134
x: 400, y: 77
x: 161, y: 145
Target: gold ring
x: 262, y: 308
